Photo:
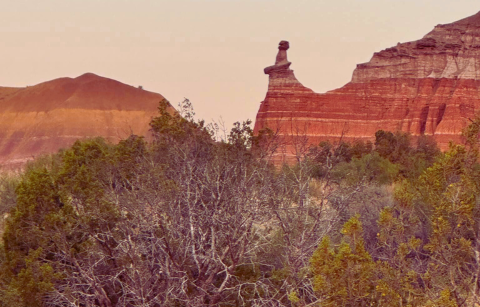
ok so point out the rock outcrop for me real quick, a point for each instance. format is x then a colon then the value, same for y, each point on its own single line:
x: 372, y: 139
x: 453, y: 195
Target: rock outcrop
x: 430, y: 86
x: 43, y: 118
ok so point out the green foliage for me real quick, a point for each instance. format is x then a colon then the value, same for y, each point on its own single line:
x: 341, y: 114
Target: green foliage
x: 426, y: 241
x: 8, y: 197
x: 56, y: 211
x: 397, y: 148
x: 439, y: 208
x: 410, y: 161
x: 369, y: 168
x: 327, y: 155
x: 293, y: 297
x: 39, y: 216
x: 392, y: 146
x: 135, y: 224
x: 344, y: 275
x: 191, y: 220
x: 445, y: 300
x: 177, y: 126
x: 83, y: 166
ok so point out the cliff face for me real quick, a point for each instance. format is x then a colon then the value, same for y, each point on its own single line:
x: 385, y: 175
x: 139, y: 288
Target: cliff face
x: 430, y: 86
x: 52, y: 115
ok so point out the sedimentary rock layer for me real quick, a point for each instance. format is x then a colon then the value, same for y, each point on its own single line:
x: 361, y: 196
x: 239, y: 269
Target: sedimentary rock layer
x: 43, y: 118
x: 430, y: 86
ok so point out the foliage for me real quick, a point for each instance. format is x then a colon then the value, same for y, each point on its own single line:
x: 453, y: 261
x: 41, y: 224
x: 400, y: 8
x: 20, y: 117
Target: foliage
x: 191, y: 219
x: 183, y: 221
x: 8, y: 197
x: 344, y: 275
x: 370, y: 167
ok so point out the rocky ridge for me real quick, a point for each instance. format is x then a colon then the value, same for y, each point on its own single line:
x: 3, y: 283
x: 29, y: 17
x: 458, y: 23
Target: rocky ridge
x: 430, y: 86
x: 41, y: 119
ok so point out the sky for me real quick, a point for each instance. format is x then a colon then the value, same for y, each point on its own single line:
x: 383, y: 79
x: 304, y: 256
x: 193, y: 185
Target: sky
x: 210, y: 51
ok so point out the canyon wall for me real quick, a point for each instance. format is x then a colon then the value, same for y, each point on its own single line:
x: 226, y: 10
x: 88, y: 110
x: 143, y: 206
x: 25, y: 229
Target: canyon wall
x: 430, y: 86
x: 43, y: 118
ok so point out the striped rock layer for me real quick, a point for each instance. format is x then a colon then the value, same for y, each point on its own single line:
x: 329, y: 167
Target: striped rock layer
x: 44, y: 118
x: 430, y: 86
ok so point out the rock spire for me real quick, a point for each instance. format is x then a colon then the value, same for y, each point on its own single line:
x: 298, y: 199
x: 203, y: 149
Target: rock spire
x: 430, y: 86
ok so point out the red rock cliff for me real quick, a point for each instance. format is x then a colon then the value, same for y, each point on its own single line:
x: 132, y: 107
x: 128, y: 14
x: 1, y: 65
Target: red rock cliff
x: 52, y: 115
x: 430, y: 86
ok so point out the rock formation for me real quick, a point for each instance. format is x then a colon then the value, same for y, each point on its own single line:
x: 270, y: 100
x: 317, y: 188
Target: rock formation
x: 430, y: 86
x: 46, y: 117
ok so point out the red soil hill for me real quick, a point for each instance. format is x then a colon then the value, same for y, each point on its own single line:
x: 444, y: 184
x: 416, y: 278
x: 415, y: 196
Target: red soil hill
x: 46, y: 117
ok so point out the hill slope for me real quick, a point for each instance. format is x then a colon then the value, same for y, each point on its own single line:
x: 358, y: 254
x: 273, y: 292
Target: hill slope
x: 52, y: 115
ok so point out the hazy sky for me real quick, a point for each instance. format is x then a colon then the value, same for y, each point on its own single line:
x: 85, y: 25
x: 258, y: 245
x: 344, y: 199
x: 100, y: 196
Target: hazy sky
x: 210, y: 51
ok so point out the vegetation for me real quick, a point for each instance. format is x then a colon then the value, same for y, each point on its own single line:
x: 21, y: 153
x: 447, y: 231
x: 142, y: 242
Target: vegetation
x: 193, y: 220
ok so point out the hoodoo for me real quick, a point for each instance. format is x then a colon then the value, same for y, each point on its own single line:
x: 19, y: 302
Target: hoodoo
x: 43, y: 118
x: 430, y: 86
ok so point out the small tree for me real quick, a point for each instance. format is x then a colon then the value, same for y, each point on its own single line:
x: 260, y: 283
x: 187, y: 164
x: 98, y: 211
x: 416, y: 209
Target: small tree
x: 344, y: 276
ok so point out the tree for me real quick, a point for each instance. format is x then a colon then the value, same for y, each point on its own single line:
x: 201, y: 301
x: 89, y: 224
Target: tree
x: 344, y: 275
x: 38, y: 218
x: 183, y: 221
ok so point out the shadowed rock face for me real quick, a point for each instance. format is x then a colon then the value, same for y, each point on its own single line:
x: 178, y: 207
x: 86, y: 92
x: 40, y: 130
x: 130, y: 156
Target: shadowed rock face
x: 46, y: 117
x: 430, y: 86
